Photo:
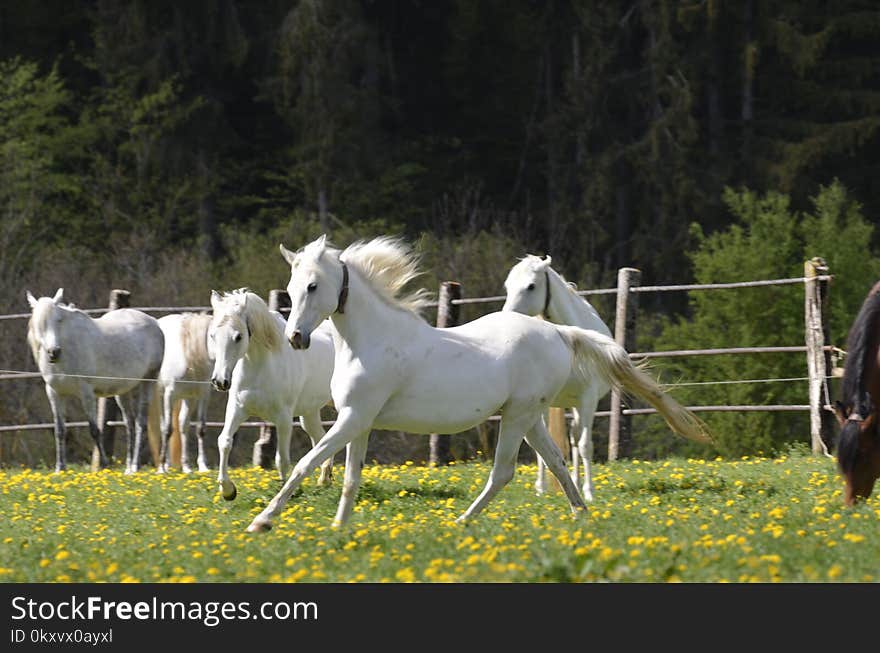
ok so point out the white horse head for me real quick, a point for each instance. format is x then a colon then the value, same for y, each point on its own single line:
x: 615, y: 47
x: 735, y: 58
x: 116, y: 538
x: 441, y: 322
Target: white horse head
x: 527, y: 286
x: 320, y: 277
x: 44, y: 327
x: 315, y: 288
x: 241, y: 319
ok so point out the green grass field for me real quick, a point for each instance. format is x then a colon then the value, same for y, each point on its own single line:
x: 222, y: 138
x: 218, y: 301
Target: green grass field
x: 755, y: 519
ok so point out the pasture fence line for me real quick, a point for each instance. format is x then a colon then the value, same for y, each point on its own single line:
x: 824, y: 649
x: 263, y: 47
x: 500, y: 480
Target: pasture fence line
x: 819, y: 353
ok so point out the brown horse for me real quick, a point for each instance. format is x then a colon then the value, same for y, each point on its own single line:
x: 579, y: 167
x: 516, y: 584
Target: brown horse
x: 858, y: 447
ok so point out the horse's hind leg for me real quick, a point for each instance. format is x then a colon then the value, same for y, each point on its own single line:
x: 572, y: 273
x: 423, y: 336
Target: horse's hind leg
x: 132, y: 453
x: 90, y: 406
x: 355, y: 453
x: 585, y: 411
x: 539, y: 439
x: 541, y: 476
x: 183, y: 428
x: 166, y: 427
x: 311, y: 424
x: 504, y: 467
x: 56, y: 402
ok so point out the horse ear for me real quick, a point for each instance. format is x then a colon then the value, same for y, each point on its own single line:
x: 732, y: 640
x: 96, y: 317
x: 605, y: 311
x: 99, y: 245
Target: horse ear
x: 31, y: 299
x: 548, y: 260
x: 58, y: 295
x: 215, y: 298
x: 287, y: 254
x: 321, y: 246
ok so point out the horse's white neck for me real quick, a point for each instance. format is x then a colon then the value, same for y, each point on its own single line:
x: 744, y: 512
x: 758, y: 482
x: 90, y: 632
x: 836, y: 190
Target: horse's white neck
x: 566, y: 307
x: 369, y: 318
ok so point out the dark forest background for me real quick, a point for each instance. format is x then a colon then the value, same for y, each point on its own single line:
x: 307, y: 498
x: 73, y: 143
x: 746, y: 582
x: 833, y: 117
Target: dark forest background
x: 167, y: 147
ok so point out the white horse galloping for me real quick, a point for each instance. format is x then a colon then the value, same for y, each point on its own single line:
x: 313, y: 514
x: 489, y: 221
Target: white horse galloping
x: 118, y: 354
x: 534, y: 288
x: 395, y: 371
x: 185, y: 376
x: 265, y: 377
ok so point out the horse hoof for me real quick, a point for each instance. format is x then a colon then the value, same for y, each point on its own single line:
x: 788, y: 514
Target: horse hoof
x: 259, y: 527
x: 229, y: 494
x: 186, y: 469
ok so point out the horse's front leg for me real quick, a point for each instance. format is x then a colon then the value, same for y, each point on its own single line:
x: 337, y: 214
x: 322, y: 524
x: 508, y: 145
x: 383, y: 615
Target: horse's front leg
x: 311, y: 424
x: 348, y: 426
x: 183, y: 428
x: 235, y: 415
x: 90, y: 407
x: 355, y: 453
x: 284, y: 430
x: 56, y: 402
x: 202, y: 418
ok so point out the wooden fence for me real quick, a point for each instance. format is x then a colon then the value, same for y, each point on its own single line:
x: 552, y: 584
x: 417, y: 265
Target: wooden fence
x: 817, y: 348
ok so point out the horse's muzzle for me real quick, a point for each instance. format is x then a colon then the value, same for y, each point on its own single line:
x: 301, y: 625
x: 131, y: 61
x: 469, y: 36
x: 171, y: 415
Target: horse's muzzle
x: 299, y: 341
x: 220, y: 384
x: 54, y: 354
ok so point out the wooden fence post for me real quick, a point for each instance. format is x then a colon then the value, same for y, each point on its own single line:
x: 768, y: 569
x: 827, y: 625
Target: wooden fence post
x: 447, y: 316
x: 267, y: 442
x: 818, y: 359
x: 108, y: 410
x: 619, y: 427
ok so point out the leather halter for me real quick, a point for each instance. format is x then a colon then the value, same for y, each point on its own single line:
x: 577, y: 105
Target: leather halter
x: 547, y: 298
x: 343, y: 292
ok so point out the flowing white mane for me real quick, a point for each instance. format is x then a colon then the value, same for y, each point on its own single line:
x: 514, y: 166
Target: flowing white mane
x: 253, y: 314
x: 388, y: 264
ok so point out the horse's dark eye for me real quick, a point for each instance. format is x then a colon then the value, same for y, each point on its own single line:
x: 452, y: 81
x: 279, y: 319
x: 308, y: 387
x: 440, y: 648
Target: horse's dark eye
x: 311, y: 287
x: 237, y: 337
x: 531, y: 286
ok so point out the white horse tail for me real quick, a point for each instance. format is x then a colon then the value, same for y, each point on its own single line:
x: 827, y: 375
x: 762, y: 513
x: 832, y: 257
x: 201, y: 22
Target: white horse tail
x: 597, y: 353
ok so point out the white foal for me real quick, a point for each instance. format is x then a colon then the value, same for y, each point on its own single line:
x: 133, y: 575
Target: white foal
x: 265, y: 377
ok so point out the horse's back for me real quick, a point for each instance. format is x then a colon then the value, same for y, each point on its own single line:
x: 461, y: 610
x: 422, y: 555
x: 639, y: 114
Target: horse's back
x: 131, y: 339
x: 460, y: 376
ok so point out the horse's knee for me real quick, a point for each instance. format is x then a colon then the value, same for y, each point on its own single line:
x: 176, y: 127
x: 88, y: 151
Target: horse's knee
x: 503, y: 475
x: 224, y: 443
